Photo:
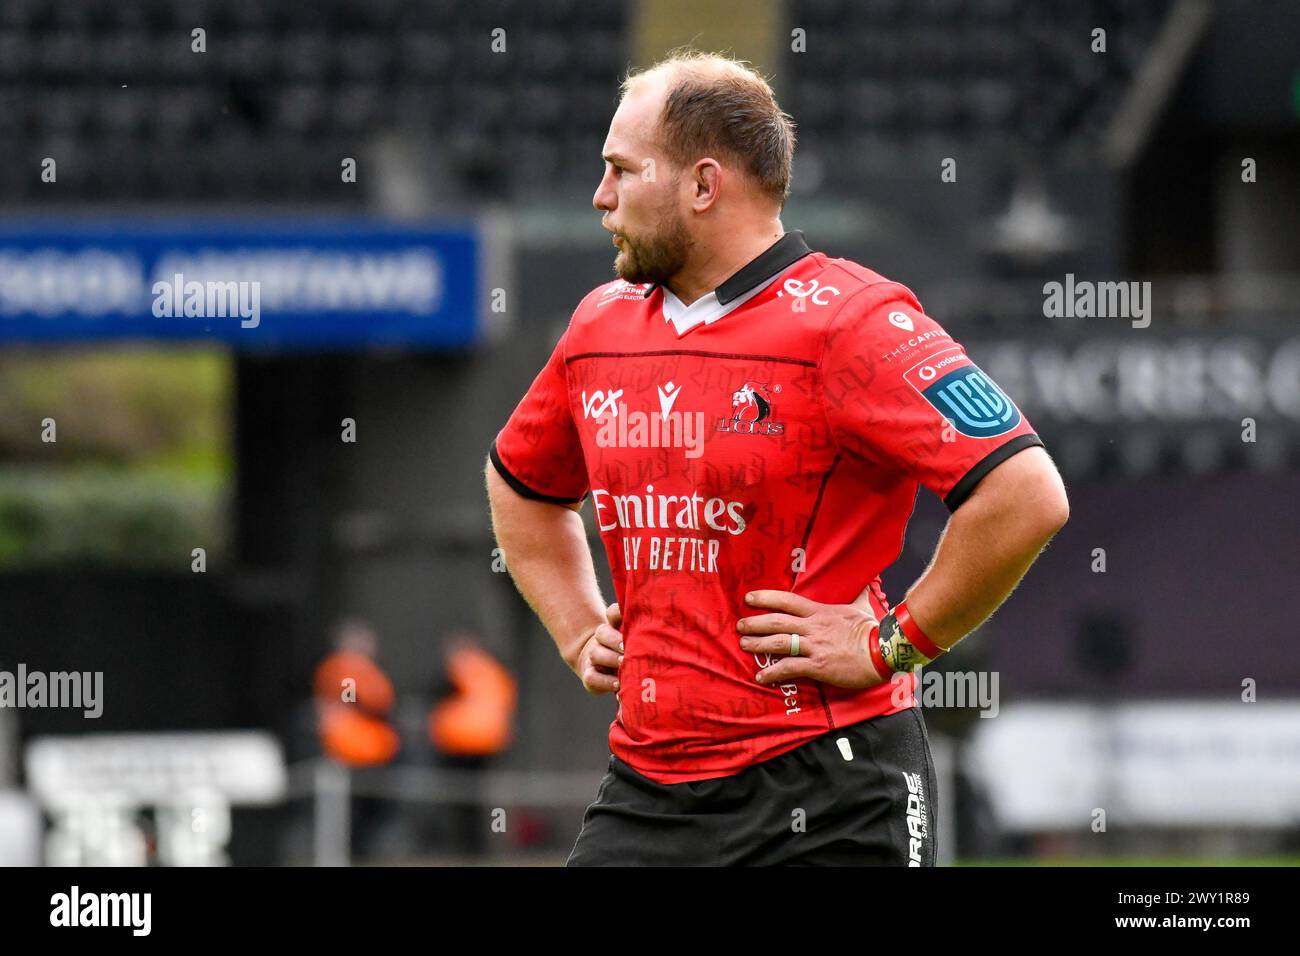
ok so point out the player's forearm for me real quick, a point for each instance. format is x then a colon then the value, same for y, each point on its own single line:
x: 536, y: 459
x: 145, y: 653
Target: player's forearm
x: 990, y: 542
x: 546, y: 553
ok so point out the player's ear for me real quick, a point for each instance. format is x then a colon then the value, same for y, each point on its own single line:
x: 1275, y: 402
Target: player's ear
x: 707, y: 181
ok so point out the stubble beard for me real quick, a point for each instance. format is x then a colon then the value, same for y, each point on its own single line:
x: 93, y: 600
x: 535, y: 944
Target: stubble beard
x: 656, y: 258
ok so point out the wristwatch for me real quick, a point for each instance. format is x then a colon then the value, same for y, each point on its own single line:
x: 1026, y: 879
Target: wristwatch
x: 903, y: 646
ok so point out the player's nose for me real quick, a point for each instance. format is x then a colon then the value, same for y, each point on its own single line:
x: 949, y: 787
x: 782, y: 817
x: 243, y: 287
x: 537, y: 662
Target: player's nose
x: 604, y: 199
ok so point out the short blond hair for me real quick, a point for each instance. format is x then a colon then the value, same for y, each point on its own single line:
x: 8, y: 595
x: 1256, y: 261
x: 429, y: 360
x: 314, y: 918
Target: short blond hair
x: 721, y: 106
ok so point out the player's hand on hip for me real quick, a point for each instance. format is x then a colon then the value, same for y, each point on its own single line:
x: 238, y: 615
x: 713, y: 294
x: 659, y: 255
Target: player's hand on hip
x: 602, y: 654
x: 832, y: 642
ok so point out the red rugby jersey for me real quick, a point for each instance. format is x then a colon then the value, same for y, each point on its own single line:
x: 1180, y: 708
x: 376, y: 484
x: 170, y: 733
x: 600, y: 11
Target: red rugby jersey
x: 771, y: 435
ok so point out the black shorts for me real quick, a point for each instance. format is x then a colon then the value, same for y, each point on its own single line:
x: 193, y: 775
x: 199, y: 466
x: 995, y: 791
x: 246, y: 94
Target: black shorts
x: 811, y: 806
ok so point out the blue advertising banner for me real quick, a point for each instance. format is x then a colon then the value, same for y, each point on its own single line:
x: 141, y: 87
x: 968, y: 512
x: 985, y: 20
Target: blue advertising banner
x: 254, y: 284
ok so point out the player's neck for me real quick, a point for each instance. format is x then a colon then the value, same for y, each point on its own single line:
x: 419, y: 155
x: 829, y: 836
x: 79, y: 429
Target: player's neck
x: 724, y: 260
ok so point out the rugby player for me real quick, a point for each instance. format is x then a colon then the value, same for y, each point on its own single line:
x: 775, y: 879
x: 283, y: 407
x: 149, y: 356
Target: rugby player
x: 751, y: 421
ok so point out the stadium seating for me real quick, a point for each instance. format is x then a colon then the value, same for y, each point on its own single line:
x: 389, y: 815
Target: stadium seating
x: 112, y: 90
x: 285, y: 90
x: 876, y: 79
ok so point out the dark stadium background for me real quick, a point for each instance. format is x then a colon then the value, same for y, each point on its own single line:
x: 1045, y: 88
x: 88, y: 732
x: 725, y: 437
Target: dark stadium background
x: 1123, y: 165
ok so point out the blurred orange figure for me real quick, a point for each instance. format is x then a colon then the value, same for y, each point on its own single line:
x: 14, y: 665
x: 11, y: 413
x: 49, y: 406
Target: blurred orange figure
x: 354, y: 699
x: 476, y: 720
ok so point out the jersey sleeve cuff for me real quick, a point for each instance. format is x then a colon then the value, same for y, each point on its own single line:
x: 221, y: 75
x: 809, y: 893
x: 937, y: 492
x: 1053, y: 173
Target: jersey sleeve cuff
x: 521, y: 488
x: 961, y: 491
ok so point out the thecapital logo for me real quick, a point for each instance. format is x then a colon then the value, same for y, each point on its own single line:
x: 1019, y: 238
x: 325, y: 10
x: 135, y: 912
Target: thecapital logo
x: 751, y: 411
x: 600, y: 403
x: 917, y: 340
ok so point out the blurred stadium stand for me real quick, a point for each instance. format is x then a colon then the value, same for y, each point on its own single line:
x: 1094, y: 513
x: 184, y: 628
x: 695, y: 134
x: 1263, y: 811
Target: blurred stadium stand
x: 985, y: 75
x: 284, y: 89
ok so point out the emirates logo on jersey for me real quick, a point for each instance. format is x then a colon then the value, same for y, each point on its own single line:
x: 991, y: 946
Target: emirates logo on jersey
x: 751, y: 411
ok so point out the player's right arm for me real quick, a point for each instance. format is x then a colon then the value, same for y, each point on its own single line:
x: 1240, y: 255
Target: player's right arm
x: 536, y: 481
x: 546, y: 553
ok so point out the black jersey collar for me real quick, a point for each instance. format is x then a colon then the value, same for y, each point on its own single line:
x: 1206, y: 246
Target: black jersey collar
x: 783, y: 253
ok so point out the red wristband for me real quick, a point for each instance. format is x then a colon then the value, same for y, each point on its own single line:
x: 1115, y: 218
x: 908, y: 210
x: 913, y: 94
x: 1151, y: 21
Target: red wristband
x: 878, y: 659
x: 914, y: 633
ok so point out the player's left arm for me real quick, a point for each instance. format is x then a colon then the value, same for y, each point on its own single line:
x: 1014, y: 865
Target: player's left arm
x: 936, y: 417
x: 988, y: 545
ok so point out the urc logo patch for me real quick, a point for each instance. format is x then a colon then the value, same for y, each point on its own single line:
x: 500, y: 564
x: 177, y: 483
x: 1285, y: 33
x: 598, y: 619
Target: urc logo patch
x: 963, y: 394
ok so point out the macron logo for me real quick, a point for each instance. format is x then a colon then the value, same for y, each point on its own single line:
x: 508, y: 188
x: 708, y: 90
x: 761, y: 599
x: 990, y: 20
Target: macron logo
x: 667, y: 396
